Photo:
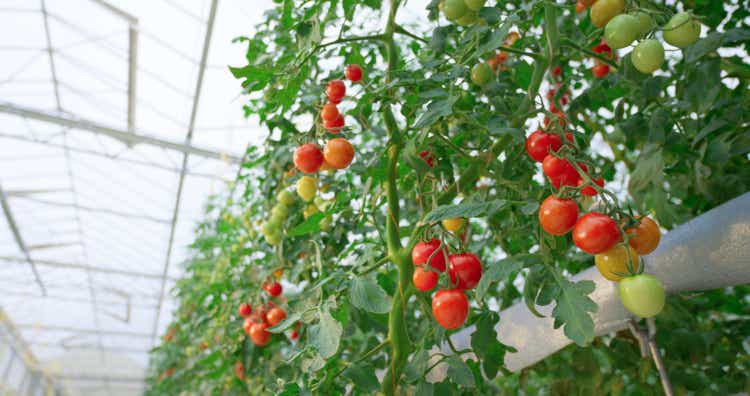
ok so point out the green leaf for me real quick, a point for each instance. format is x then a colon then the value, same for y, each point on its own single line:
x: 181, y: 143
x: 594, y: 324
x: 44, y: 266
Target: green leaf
x: 459, y: 372
x: 649, y: 168
x: 497, y: 272
x: 326, y: 335
x: 703, y: 46
x: 522, y: 74
x: 363, y: 377
x: 531, y: 287
x: 435, y: 110
x: 285, y: 324
x: 255, y: 78
x: 465, y: 210
x: 417, y: 366
x: 348, y: 6
x: 312, y: 224
x: 366, y: 294
x: 496, y: 38
x: 290, y: 389
x: 573, y: 307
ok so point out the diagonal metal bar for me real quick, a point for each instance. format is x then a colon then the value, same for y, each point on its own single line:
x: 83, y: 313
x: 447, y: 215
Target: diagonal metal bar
x: 123, y: 136
x: 19, y: 240
x: 188, y: 139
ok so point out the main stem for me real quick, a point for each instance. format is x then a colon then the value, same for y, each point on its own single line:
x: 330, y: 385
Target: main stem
x: 399, y: 340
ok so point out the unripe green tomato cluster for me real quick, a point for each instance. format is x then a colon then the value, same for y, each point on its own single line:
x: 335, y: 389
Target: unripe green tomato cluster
x: 272, y: 228
x: 463, y: 12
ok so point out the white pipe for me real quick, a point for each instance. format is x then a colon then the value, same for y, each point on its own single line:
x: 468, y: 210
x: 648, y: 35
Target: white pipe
x: 708, y: 252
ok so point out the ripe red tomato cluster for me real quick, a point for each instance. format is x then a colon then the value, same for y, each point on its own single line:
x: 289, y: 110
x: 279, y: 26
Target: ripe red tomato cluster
x: 266, y: 315
x: 449, y: 306
x: 601, y: 69
x: 338, y: 153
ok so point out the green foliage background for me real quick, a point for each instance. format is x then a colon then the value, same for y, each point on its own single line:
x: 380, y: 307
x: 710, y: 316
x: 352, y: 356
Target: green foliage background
x: 681, y: 137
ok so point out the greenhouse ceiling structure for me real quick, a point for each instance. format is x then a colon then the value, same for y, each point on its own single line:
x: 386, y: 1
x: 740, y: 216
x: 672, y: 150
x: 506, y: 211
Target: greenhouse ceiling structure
x: 117, y: 120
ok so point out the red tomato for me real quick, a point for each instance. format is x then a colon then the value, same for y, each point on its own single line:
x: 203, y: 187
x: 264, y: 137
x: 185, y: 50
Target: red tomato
x: 308, y: 158
x: 239, y: 370
x: 273, y: 289
x: 422, y: 252
x: 600, y: 70
x: 336, y: 91
x: 603, y: 48
x: 339, y: 153
x: 539, y: 143
x: 595, y: 233
x: 465, y: 270
x: 424, y: 279
x: 555, y: 167
x: 588, y: 190
x: 557, y: 71
x: 275, y: 316
x: 450, y: 308
x: 259, y: 335
x: 335, y: 125
x: 245, y: 310
x: 427, y: 157
x: 353, y: 73
x: 293, y: 335
x: 558, y: 216
x: 329, y: 112
x: 246, y: 324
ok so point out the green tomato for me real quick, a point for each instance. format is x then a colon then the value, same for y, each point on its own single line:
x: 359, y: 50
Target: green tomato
x: 645, y: 23
x: 648, y: 56
x: 621, y: 31
x: 280, y: 211
x: 643, y: 295
x: 475, y: 5
x: 285, y: 197
x: 481, y: 74
x: 271, y: 226
x: 325, y: 223
x: 307, y: 187
x: 310, y: 210
x: 454, y: 9
x: 604, y: 10
x: 469, y: 19
x: 682, y: 30
x: 273, y: 239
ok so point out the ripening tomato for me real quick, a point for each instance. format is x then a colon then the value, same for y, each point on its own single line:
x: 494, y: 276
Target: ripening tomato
x: 293, y: 335
x: 621, y: 31
x: 604, y: 10
x: 339, y: 153
x: 239, y: 370
x: 644, y: 237
x: 273, y: 289
x: 540, y: 143
x: 558, y: 216
x: 648, y: 56
x: 600, y: 70
x: 307, y: 187
x: 682, y: 30
x: 336, y: 91
x: 511, y: 39
x: 614, y: 262
x: 422, y: 251
x: 588, y: 190
x: 481, y: 74
x: 335, y: 125
x: 454, y: 224
x: 259, y: 335
x: 580, y: 7
x: 285, y: 197
x: 493, y: 63
x: 275, y: 316
x: 245, y: 310
x: 329, y: 112
x: 643, y: 295
x: 353, y: 73
x: 424, y: 279
x: 450, y: 308
x: 595, y: 233
x: 465, y: 270
x: 247, y: 323
x: 308, y: 158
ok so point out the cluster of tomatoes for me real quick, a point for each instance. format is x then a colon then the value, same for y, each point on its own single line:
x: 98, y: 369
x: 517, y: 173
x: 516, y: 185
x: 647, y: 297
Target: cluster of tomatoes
x: 483, y: 72
x: 267, y: 314
x: 272, y: 228
x: 596, y: 233
x: 622, y: 29
x: 463, y: 12
x: 450, y: 306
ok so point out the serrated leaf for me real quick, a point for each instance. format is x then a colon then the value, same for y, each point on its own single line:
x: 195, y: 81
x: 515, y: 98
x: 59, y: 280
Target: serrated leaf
x: 312, y: 224
x: 459, y: 372
x: 497, y: 272
x: 326, y: 335
x: 573, y: 308
x: 465, y: 210
x: 285, y: 324
x: 366, y: 294
x: 703, y: 46
x: 435, y: 110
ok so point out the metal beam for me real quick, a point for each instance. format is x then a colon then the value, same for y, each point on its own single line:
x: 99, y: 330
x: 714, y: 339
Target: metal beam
x: 131, y: 19
x: 100, y: 270
x: 82, y: 330
x: 97, y: 378
x: 188, y: 139
x: 88, y: 347
x: 132, y: 74
x: 84, y: 208
x: 19, y: 239
x: 126, y: 137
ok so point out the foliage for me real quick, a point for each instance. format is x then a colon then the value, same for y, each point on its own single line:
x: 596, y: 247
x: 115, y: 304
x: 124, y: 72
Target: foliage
x: 673, y: 144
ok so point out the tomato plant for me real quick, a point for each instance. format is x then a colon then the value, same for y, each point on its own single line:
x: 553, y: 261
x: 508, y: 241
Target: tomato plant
x: 355, y: 248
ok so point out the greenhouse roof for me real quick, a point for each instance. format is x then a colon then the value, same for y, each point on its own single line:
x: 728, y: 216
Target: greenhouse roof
x: 117, y: 120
